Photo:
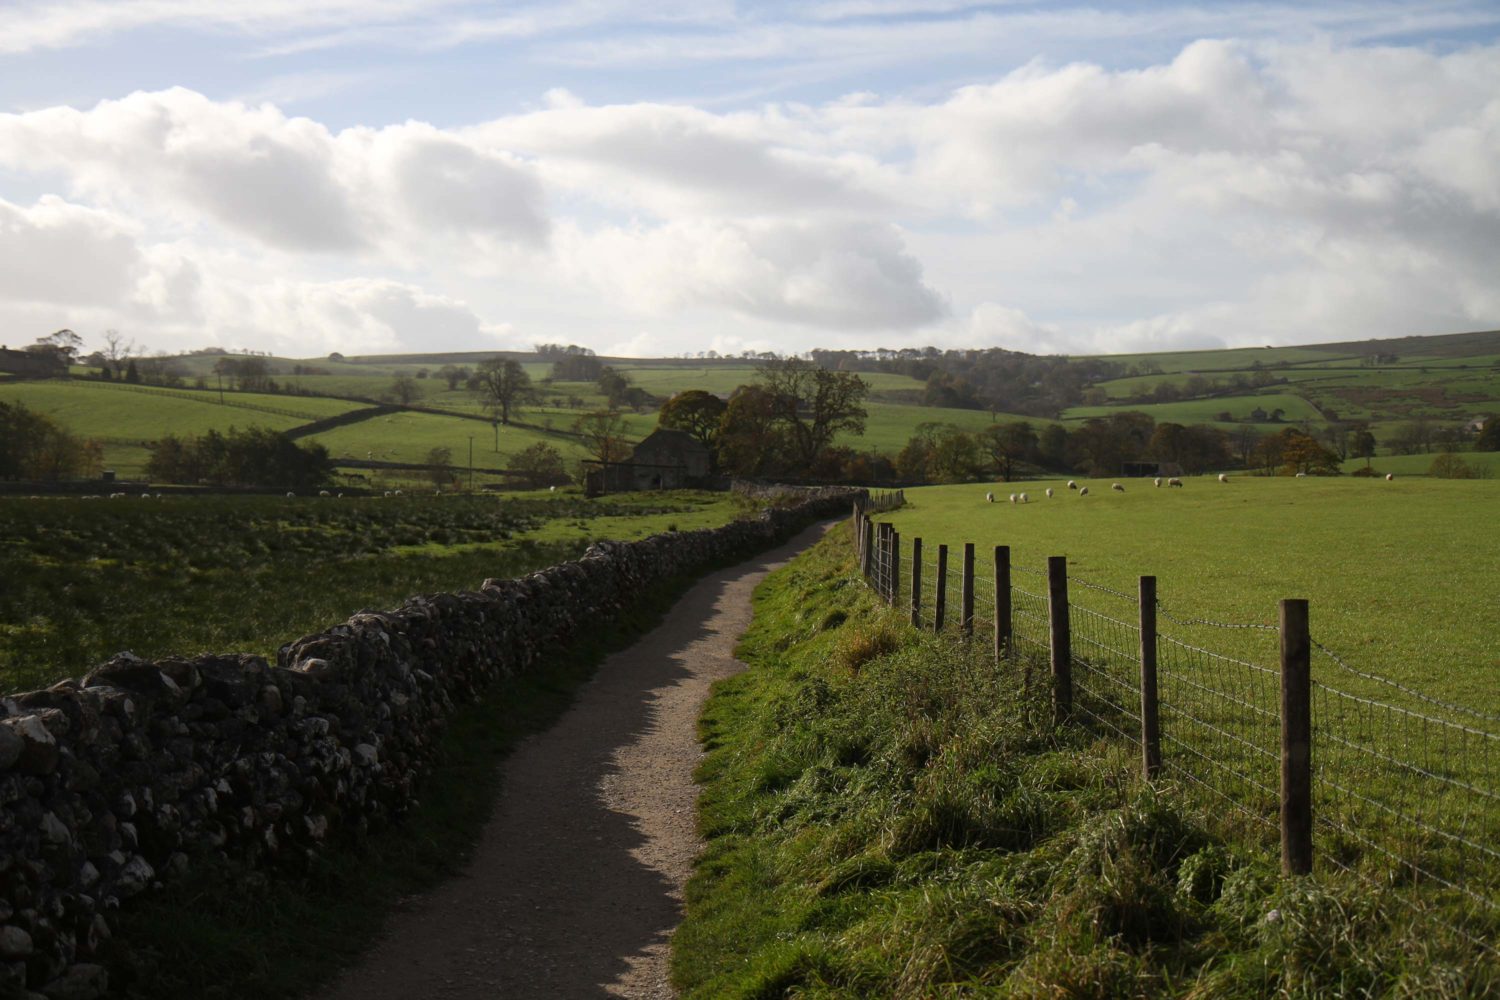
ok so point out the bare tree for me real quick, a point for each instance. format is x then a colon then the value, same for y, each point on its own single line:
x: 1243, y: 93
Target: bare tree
x: 603, y: 434
x: 503, y: 387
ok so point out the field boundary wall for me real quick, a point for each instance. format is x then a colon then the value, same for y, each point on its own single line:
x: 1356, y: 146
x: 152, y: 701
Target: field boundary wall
x: 119, y: 781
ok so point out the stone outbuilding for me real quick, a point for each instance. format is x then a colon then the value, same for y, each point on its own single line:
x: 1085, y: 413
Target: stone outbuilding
x: 665, y: 460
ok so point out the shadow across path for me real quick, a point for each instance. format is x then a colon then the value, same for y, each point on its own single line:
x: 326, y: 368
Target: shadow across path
x: 576, y: 884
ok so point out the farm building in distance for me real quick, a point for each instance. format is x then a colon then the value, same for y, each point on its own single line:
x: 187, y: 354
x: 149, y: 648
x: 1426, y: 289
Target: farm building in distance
x: 31, y: 364
x: 666, y: 460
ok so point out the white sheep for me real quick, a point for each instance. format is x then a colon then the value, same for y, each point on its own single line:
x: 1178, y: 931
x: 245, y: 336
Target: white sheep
x: 1083, y: 491
x: 1012, y: 498
x: 989, y: 497
x: 386, y: 493
x: 1117, y: 487
x: 1024, y: 498
x: 396, y: 493
x: 1301, y: 475
x: 324, y: 493
x: 1390, y: 476
x: 1174, y: 481
x: 1072, y: 485
x: 1156, y: 482
x: 290, y: 494
x: 552, y: 489
x: 1223, y: 477
x: 1049, y: 493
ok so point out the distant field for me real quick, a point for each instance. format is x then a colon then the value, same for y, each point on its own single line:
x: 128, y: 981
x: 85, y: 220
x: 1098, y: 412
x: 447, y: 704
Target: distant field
x: 85, y: 579
x: 123, y: 417
x: 1205, y: 411
x: 890, y: 425
x: 1417, y: 465
x: 1229, y: 552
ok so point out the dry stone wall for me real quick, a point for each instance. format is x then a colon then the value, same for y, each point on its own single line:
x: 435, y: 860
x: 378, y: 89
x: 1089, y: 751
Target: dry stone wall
x: 114, y: 783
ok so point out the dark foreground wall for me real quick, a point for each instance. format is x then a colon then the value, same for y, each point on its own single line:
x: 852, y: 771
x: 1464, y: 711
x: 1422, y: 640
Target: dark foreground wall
x: 114, y: 783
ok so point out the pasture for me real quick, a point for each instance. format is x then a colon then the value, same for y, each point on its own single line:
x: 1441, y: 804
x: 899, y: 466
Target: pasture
x: 1400, y: 575
x: 85, y: 579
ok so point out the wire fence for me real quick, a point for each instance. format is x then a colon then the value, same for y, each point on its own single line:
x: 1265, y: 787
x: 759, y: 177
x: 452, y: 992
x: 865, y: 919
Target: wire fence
x: 1403, y: 789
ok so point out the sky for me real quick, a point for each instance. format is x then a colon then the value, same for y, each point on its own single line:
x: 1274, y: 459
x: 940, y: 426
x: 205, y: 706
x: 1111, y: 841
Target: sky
x: 661, y: 178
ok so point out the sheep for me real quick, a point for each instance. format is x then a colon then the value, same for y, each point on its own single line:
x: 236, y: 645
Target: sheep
x: 1117, y: 487
x: 1174, y: 481
x: 324, y: 493
x: 290, y: 494
x: 989, y: 497
x: 395, y: 493
x: 1301, y: 475
x: 386, y: 493
x: 552, y: 489
x: 1389, y: 476
x: 1012, y: 498
x: 1049, y: 493
x: 1223, y: 477
x: 1072, y: 485
x: 1156, y: 482
x: 1024, y: 498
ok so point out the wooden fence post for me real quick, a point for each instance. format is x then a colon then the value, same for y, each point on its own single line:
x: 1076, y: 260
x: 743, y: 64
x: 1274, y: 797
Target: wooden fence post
x: 1062, y: 641
x: 1150, y: 709
x: 916, y: 583
x: 895, y: 567
x: 967, y: 582
x: 941, y: 604
x: 1296, y: 739
x: 869, y: 547
x: 1003, y: 637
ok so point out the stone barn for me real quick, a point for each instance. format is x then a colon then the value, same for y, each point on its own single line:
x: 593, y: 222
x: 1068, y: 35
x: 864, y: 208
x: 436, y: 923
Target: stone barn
x: 666, y: 460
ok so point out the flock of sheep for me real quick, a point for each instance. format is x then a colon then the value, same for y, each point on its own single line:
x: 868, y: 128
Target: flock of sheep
x: 1170, y: 481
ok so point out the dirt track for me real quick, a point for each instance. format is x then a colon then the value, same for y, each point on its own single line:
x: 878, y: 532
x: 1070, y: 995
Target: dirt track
x: 576, y: 884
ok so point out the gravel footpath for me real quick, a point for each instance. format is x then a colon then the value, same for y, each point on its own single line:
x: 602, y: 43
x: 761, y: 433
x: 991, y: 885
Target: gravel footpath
x: 576, y: 884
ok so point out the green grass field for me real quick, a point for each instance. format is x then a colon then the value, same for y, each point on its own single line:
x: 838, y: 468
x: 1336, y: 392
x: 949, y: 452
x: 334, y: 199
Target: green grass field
x: 1230, y: 552
x: 890, y: 425
x: 1205, y: 411
x: 890, y: 813
x: 88, y: 578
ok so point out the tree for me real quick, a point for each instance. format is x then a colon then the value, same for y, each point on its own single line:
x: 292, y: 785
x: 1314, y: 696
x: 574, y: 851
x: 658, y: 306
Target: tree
x: 64, y: 345
x: 1449, y: 466
x: 117, y: 350
x: 439, y: 464
x: 132, y: 373
x: 695, y: 411
x: 615, y: 385
x: 253, y: 457
x: 453, y: 375
x: 577, y: 368
x: 405, y: 390
x: 603, y: 434
x: 1008, y: 443
x: 941, y: 453
x: 541, y: 463
x: 503, y: 387
x: 811, y: 405
x: 1489, y: 434
x: 748, y: 442
x: 33, y: 446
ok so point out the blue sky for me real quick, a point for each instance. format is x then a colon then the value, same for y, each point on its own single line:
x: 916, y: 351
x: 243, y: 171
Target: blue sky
x: 390, y: 175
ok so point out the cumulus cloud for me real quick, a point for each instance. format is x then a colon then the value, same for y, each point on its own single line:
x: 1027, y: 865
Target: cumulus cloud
x: 825, y: 274
x: 1236, y: 193
x: 289, y: 183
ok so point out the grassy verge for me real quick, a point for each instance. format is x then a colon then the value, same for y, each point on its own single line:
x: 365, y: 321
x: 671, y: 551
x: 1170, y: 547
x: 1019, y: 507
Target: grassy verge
x: 889, y: 815
x: 226, y: 933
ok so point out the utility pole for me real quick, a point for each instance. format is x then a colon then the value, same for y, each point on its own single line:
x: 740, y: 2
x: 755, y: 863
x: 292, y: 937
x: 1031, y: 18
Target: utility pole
x: 221, y: 387
x: 471, y: 463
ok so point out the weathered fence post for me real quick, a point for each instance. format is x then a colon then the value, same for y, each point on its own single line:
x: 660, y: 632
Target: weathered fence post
x: 895, y: 567
x: 916, y: 583
x: 1150, y: 709
x: 868, y: 555
x: 1062, y: 640
x: 1003, y: 626
x: 941, y: 604
x: 968, y: 590
x: 1296, y: 739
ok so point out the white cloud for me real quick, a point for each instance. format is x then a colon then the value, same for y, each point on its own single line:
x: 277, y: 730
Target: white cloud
x: 289, y: 183
x: 832, y: 275
x: 57, y: 253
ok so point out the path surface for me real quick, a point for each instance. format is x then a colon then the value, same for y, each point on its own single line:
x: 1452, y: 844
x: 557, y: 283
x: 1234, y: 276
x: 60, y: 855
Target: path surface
x: 576, y: 884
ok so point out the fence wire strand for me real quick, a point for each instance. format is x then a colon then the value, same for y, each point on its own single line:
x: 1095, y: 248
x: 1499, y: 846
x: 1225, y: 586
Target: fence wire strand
x: 1406, y: 799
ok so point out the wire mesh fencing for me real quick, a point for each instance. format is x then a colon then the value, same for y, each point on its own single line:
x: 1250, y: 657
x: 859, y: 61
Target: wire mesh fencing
x: 1403, y: 788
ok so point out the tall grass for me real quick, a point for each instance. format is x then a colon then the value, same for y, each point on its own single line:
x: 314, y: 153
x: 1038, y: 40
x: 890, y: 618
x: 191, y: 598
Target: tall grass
x: 889, y: 814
